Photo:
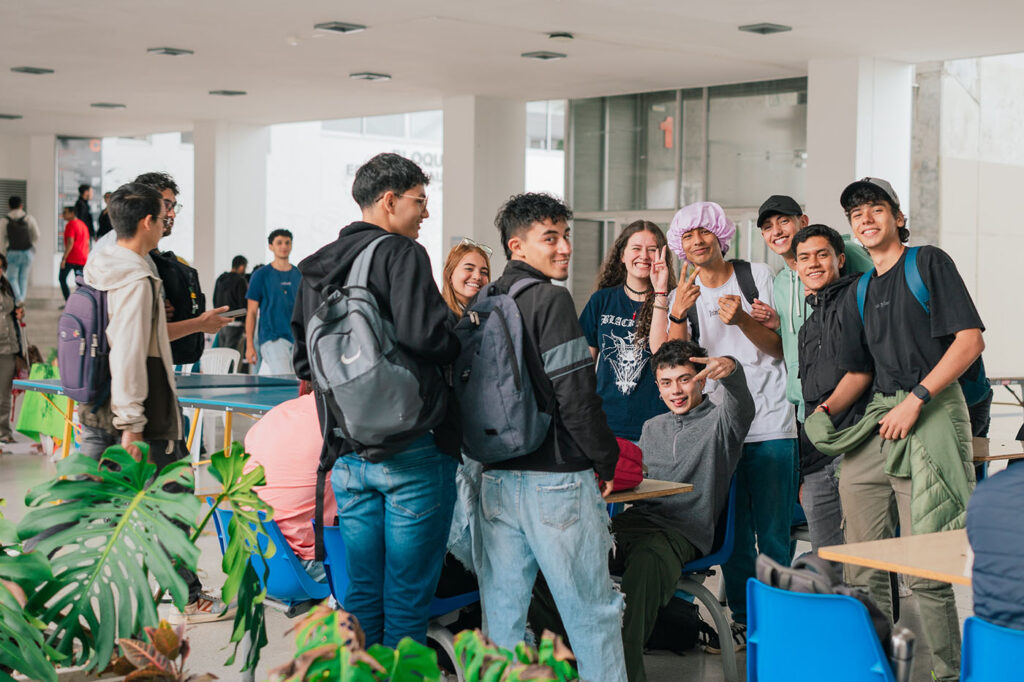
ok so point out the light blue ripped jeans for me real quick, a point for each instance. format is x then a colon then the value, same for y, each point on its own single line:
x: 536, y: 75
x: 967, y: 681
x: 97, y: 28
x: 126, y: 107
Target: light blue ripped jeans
x: 555, y: 522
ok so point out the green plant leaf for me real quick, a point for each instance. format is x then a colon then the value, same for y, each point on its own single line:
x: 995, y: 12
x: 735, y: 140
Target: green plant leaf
x: 144, y: 655
x: 22, y: 647
x: 410, y: 660
x: 116, y: 531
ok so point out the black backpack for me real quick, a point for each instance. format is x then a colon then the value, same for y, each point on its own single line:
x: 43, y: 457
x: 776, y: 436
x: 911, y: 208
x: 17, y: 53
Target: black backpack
x: 677, y: 627
x: 745, y: 278
x: 181, y: 288
x: 18, y: 238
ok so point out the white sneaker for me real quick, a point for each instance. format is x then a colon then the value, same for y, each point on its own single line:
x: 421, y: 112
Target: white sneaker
x: 205, y: 609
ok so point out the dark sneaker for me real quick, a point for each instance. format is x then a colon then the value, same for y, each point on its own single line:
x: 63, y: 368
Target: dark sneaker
x: 707, y: 639
x: 739, y: 636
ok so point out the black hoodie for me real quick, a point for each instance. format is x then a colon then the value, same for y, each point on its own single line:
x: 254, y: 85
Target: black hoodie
x: 401, y: 279
x: 819, y: 342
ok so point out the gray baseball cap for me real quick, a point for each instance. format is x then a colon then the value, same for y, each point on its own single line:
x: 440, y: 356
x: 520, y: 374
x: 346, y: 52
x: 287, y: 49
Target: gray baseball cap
x: 875, y: 183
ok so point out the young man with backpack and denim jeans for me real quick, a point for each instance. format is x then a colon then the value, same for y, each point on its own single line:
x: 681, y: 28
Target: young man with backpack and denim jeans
x: 142, y: 404
x: 395, y: 490
x: 913, y: 444
x: 19, y: 233
x: 544, y: 510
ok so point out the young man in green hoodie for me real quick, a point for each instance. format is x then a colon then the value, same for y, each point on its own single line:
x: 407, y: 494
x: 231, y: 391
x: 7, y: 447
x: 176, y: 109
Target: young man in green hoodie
x: 780, y: 218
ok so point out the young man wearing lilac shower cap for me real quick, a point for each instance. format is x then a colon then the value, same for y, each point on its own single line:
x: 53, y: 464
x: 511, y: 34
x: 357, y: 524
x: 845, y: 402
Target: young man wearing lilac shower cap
x: 767, y: 475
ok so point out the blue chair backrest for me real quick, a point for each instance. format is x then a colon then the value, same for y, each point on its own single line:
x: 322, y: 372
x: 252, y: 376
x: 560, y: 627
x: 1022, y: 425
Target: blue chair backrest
x: 798, y: 637
x: 287, y: 580
x: 337, y: 577
x: 725, y: 535
x: 990, y: 652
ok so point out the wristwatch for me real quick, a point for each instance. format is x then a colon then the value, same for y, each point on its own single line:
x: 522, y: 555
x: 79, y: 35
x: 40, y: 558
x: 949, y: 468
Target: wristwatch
x: 922, y: 393
x: 676, y: 320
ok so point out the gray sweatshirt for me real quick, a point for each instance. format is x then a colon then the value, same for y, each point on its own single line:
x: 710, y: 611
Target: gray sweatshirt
x: 701, y: 447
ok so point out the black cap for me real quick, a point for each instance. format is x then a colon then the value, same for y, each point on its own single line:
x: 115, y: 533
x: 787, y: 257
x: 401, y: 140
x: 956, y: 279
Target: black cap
x: 870, y: 183
x: 778, y: 204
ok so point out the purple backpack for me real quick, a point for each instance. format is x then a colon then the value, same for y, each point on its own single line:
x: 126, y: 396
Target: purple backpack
x: 83, y: 353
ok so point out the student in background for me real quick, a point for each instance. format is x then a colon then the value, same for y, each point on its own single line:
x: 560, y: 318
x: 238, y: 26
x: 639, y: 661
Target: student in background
x: 105, y: 226
x: 271, y: 298
x: 997, y: 538
x: 20, y: 233
x: 617, y: 322
x: 466, y: 270
x: 11, y: 314
x: 83, y: 211
x: 544, y: 510
x: 76, y: 249
x: 229, y: 291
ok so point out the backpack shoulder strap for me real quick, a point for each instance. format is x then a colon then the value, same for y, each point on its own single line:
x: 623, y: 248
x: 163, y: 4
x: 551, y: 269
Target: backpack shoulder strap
x: 360, y: 271
x: 913, y: 276
x: 519, y: 286
x: 745, y: 278
x: 862, y: 292
x: 691, y: 315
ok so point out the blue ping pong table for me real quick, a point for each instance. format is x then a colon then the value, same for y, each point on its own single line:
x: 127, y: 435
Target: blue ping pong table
x: 229, y: 393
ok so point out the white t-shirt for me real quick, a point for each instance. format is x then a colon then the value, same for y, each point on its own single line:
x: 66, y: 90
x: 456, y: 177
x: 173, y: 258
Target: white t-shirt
x: 766, y: 377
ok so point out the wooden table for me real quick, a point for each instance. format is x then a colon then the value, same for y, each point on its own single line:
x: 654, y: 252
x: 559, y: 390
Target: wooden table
x: 988, y: 450
x: 944, y: 556
x: 648, y: 488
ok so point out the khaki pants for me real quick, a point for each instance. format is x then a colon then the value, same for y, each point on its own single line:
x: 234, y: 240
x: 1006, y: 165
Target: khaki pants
x: 867, y: 495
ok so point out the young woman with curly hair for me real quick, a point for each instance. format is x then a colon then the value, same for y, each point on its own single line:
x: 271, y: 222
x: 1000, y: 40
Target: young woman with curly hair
x: 617, y: 321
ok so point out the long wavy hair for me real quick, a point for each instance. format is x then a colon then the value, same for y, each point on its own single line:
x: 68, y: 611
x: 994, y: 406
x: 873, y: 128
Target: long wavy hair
x: 454, y: 256
x: 613, y: 272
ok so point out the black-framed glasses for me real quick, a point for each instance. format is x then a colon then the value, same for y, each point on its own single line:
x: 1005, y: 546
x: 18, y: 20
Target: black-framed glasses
x: 466, y: 241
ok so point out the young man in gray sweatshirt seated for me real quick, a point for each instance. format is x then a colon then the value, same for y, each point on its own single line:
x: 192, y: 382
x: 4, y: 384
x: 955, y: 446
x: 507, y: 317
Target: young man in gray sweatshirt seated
x: 696, y: 442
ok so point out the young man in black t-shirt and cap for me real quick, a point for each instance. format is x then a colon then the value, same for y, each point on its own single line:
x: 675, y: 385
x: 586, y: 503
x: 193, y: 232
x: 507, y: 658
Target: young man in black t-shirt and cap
x: 914, y: 442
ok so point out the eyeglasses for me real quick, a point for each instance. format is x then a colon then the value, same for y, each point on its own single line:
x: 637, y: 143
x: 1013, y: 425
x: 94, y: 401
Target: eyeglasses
x: 422, y: 201
x: 466, y: 241
x: 172, y: 206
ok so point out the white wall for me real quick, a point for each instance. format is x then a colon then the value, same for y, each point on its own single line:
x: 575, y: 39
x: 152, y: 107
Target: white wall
x: 14, y: 151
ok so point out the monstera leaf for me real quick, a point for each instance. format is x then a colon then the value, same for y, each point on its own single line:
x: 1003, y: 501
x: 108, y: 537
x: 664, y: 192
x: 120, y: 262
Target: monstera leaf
x: 483, y: 661
x: 22, y: 648
x: 111, y: 529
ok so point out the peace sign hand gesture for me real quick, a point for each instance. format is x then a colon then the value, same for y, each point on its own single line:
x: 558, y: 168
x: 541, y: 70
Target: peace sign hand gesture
x: 688, y: 292
x: 717, y: 368
x: 659, y: 271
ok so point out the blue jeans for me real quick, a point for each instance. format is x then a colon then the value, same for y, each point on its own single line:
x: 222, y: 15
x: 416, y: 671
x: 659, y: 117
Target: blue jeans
x: 766, y: 487
x: 276, y: 358
x: 555, y: 522
x: 18, y: 264
x: 394, y: 517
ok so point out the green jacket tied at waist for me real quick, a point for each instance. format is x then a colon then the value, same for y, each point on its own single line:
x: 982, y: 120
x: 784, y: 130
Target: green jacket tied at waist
x: 936, y: 455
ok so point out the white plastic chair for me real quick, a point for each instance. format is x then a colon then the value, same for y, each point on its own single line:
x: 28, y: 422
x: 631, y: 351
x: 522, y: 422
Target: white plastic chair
x: 213, y: 361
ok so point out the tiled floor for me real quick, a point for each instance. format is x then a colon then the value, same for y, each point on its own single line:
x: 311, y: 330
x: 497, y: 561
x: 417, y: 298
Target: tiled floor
x: 20, y: 470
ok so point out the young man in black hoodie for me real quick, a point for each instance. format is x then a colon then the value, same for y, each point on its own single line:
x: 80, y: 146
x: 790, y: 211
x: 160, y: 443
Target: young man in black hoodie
x: 395, y: 502
x: 544, y: 510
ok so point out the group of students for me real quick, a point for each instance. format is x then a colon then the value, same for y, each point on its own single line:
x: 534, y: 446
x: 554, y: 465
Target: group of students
x: 707, y: 372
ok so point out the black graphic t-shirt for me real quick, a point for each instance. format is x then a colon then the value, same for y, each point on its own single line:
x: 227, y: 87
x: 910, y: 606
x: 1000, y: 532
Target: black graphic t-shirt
x: 625, y: 382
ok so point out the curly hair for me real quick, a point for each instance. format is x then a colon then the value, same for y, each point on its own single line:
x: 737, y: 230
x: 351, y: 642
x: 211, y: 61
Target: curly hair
x: 523, y: 210
x: 613, y: 272
x: 872, y: 195
x: 454, y: 257
x: 676, y: 353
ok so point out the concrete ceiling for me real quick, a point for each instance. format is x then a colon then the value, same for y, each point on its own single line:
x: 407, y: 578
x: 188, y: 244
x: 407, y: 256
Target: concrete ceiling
x: 434, y: 50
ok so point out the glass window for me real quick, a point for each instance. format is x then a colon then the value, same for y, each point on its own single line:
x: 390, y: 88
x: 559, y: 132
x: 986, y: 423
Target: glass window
x: 694, y: 146
x: 344, y: 125
x: 757, y: 141
x: 537, y: 125
x: 391, y: 125
x: 623, y: 170
x: 556, y: 124
x: 587, y: 153
x: 426, y: 126
x: 587, y: 253
x: 79, y: 162
x: 660, y: 150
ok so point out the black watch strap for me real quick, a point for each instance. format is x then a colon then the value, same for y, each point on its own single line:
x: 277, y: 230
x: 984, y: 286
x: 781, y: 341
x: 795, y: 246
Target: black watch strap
x: 676, y: 320
x: 921, y: 392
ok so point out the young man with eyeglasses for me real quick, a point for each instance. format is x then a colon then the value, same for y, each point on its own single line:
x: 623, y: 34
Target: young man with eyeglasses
x: 271, y: 297
x: 395, y: 504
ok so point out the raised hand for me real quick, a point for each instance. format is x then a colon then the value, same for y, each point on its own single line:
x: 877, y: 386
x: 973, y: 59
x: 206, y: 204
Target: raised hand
x: 659, y: 271
x: 765, y: 314
x: 716, y: 368
x: 687, y: 292
x: 730, y: 309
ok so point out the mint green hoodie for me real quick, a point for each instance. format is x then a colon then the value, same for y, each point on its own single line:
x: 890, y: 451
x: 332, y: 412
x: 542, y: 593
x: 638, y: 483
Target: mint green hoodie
x: 791, y: 304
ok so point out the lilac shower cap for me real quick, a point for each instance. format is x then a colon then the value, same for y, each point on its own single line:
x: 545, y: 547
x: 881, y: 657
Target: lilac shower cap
x: 706, y: 214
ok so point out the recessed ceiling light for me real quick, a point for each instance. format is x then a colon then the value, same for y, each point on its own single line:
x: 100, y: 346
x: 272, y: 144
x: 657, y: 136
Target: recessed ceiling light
x: 10, y: 117
x: 561, y: 35
x: 370, y: 76
x: 169, y: 51
x: 107, y: 105
x: 543, y: 55
x: 339, y: 27
x: 34, y: 70
x: 228, y: 93
x: 765, y: 28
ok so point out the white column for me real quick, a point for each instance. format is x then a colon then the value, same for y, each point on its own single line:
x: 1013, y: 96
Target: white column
x: 230, y: 201
x: 859, y: 114
x: 42, y: 204
x: 484, y: 164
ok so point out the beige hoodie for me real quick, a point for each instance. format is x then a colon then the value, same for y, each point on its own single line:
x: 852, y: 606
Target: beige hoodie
x: 33, y: 228
x: 142, y: 395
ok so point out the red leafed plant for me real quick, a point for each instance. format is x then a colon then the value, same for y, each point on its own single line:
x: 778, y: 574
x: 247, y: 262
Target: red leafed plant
x: 161, y: 659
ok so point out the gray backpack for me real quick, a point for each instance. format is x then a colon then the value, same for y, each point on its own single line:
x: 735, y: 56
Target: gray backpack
x: 499, y: 395
x: 370, y: 385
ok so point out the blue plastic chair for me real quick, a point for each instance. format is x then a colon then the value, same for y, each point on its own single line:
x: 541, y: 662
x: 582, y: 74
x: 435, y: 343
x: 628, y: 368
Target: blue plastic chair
x: 443, y: 610
x: 287, y: 581
x: 843, y: 647
x: 991, y: 653
x: 698, y: 570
